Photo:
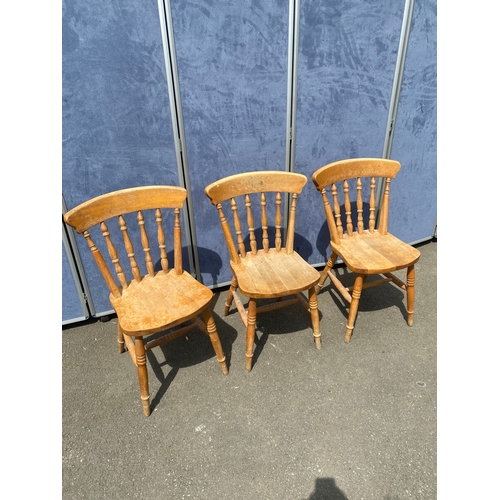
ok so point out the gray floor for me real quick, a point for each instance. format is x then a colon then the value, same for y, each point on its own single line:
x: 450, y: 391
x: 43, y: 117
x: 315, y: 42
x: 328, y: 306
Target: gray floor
x: 351, y: 421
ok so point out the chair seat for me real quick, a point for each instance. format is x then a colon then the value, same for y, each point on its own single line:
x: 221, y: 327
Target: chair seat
x: 274, y: 274
x: 160, y: 302
x: 373, y: 253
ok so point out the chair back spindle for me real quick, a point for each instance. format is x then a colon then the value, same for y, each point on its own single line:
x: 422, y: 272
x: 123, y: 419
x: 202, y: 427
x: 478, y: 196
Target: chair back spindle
x: 101, y: 264
x: 161, y: 241
x: 336, y: 207
x: 265, y: 236
x: 291, y: 225
x: 359, y: 205
x: 277, y: 224
x: 251, y: 226
x: 371, y: 222
x: 130, y: 249
x: 145, y: 244
x: 347, y: 205
x: 177, y: 241
x: 384, y: 209
x: 237, y: 225
x: 113, y: 254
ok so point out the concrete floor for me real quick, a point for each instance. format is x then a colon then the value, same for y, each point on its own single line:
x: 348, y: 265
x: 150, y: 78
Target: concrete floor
x: 352, y: 421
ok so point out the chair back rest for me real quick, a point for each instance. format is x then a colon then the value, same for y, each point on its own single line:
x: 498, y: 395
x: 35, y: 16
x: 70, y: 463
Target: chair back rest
x: 252, y: 189
x: 110, y: 210
x: 357, y: 178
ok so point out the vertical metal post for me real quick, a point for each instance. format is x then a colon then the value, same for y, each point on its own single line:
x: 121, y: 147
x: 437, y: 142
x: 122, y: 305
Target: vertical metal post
x: 291, y: 112
x: 76, y: 266
x: 396, y: 90
x: 293, y: 50
x: 167, y: 34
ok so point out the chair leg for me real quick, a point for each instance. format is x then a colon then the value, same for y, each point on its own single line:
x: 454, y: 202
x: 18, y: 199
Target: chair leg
x: 214, y: 338
x: 142, y: 371
x: 410, y: 293
x: 324, y: 274
x: 229, y: 299
x: 353, y: 309
x: 251, y: 319
x: 121, y: 340
x: 313, y: 307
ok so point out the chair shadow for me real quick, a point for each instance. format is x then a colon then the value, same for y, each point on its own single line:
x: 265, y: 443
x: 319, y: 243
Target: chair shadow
x: 284, y: 321
x: 323, y: 238
x: 323, y: 241
x: 210, y: 262
x: 188, y: 350
x: 326, y: 489
x: 372, y: 299
x: 300, y: 244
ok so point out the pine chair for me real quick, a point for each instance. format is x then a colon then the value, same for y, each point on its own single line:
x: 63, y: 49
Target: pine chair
x: 364, y: 248
x: 260, y: 269
x: 159, y: 300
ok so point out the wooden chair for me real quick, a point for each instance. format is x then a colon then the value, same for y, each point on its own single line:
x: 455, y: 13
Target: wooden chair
x: 157, y: 301
x: 261, y: 269
x: 364, y: 248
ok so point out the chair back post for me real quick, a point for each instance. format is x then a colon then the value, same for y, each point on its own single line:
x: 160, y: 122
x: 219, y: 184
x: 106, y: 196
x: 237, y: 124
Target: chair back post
x: 177, y: 242
x: 265, y: 236
x: 130, y: 249
x: 290, y: 233
x: 332, y: 228
x: 162, y: 244
x: 145, y: 244
x: 113, y: 255
x: 347, y: 207
x: 250, y: 225
x: 101, y: 264
x: 359, y: 205
x: 233, y: 252
x: 372, y: 216
x: 384, y: 209
x: 277, y: 223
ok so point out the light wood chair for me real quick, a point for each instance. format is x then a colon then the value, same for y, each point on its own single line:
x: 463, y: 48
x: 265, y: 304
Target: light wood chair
x: 264, y: 269
x: 159, y: 300
x: 364, y: 248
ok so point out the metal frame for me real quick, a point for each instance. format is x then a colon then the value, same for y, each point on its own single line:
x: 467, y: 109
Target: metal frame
x: 76, y: 266
x: 396, y: 91
x: 291, y: 113
x: 167, y: 34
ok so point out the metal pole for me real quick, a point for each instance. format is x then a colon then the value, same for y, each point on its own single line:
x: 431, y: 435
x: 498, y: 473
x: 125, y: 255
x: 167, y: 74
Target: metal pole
x: 396, y: 90
x: 167, y: 33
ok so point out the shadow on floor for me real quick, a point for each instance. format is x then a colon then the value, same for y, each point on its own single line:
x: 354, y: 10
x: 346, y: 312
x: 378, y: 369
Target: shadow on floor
x: 326, y: 489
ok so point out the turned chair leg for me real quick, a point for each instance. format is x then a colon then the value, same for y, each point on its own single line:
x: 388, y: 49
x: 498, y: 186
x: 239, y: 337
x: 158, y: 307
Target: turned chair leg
x: 142, y: 371
x: 410, y: 293
x: 214, y: 338
x: 353, y: 309
x: 251, y: 319
x: 313, y: 308
x: 121, y: 340
x: 324, y: 274
x: 230, y: 296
